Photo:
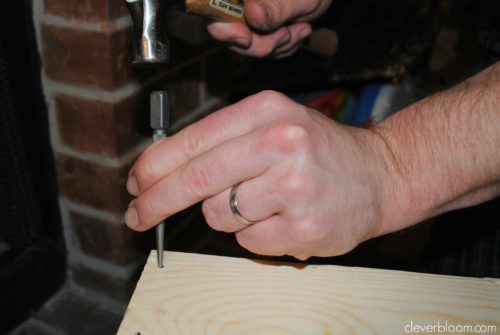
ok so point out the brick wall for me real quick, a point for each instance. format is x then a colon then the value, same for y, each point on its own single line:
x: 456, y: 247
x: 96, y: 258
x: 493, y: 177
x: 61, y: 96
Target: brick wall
x: 98, y: 111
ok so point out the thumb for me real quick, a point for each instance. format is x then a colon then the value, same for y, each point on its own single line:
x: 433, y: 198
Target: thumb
x: 271, y: 14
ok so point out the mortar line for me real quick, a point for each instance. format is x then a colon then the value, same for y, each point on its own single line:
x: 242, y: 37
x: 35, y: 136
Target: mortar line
x: 105, y: 301
x: 106, y: 26
x: 54, y: 87
x: 95, y: 213
x: 135, y: 151
x: 103, y: 267
x: 38, y: 10
x: 94, y: 158
x: 66, y: 228
x: 77, y: 258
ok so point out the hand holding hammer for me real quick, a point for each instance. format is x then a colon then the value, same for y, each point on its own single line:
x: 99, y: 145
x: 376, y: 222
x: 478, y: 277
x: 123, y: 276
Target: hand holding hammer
x: 258, y: 28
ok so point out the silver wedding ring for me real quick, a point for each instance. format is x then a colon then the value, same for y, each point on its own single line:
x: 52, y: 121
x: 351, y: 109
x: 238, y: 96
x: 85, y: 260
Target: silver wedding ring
x: 233, y: 203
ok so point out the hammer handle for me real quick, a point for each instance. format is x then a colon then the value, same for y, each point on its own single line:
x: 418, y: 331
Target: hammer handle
x: 218, y: 10
x: 323, y: 41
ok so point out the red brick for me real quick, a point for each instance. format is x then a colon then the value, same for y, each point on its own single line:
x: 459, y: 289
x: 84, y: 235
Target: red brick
x: 87, y: 9
x: 109, y: 241
x: 95, y: 59
x: 104, y: 128
x: 99, y: 186
x: 110, y: 129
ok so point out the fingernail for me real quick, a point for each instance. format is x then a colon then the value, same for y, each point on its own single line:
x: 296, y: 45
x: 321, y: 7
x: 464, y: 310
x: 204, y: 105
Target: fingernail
x: 227, y: 30
x: 220, y: 25
x: 133, y: 186
x: 265, y: 15
x: 132, y: 218
x: 305, y: 33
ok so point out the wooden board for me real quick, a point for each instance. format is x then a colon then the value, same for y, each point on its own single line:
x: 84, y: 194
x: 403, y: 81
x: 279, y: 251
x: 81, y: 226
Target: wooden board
x: 199, y: 294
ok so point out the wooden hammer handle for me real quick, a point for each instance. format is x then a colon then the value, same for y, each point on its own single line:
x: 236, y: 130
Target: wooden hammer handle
x: 323, y: 41
x: 218, y: 10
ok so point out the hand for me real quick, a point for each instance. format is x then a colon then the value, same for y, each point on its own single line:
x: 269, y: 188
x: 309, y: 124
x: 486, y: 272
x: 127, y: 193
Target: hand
x: 312, y: 186
x: 268, y: 33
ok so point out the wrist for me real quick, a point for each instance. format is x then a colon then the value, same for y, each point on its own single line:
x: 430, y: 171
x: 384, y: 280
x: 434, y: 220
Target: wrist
x: 391, y: 182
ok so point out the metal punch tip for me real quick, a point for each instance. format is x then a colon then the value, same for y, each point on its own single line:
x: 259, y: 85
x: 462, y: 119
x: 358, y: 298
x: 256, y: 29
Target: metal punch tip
x: 160, y: 243
x: 160, y: 110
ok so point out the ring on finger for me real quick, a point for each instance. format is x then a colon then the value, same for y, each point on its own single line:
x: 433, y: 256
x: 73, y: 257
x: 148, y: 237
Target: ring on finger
x: 233, y: 203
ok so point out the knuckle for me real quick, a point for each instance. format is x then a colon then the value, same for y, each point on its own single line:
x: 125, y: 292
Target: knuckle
x: 272, y: 16
x: 287, y: 138
x: 146, y: 209
x: 145, y: 171
x: 196, y: 179
x: 270, y: 95
x: 191, y: 143
x: 271, y: 101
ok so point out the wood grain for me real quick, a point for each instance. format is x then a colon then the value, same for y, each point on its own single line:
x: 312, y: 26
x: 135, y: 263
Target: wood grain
x: 199, y: 294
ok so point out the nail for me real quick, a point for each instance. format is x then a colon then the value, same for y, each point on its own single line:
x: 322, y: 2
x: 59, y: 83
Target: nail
x: 267, y: 21
x: 226, y: 33
x: 132, y: 218
x: 133, y: 186
x: 305, y: 33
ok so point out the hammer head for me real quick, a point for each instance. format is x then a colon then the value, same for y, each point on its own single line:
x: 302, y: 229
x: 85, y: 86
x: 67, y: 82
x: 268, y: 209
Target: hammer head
x: 149, y: 45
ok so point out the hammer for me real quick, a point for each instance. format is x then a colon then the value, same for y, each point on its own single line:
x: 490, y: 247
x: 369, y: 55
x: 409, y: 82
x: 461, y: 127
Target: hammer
x: 150, y: 44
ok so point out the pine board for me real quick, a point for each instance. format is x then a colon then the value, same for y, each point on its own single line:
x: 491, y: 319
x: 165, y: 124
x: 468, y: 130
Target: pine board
x: 200, y: 294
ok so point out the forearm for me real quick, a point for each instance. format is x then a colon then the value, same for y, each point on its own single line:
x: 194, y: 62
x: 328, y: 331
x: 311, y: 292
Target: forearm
x: 444, y: 151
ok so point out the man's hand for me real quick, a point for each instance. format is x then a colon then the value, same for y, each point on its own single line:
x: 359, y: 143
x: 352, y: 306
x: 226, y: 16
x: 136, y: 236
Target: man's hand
x: 269, y: 31
x: 312, y: 186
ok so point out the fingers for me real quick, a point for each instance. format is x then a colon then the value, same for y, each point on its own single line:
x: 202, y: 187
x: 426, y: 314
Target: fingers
x: 281, y: 235
x: 274, y: 237
x: 287, y: 53
x: 258, y: 199
x: 230, y: 163
x: 266, y: 15
x: 269, y: 37
x: 253, y: 44
x: 268, y: 237
x: 231, y: 32
x: 298, y: 32
x: 166, y: 156
x: 263, y: 45
x: 278, y: 43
